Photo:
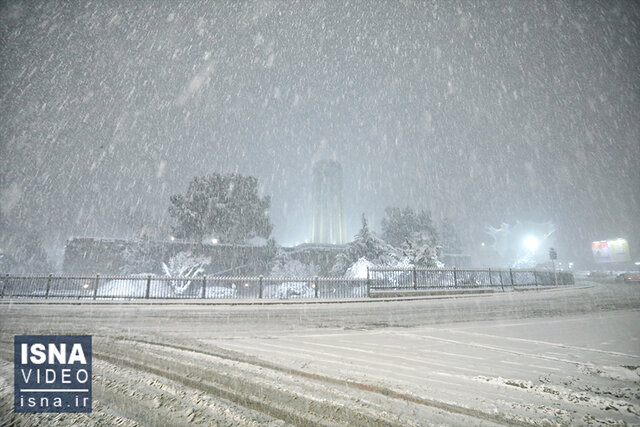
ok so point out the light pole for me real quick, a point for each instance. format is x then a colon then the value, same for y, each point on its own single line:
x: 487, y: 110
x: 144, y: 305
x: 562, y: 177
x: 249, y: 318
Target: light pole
x: 553, y: 255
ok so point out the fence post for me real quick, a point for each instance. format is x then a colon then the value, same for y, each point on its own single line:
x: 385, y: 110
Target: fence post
x: 46, y: 292
x: 148, y: 291
x: 204, y: 286
x: 4, y: 285
x: 535, y: 277
x: 415, y: 279
x: 315, y: 286
x: 455, y: 277
x: 95, y: 288
x: 260, y: 283
x: 490, y: 279
x: 368, y: 284
x: 511, y: 276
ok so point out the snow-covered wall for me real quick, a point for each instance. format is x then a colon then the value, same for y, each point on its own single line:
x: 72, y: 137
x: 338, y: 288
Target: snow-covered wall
x: 112, y: 256
x: 322, y: 256
x: 107, y: 256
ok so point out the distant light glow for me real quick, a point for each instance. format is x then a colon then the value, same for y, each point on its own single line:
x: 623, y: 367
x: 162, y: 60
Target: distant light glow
x: 214, y: 240
x: 531, y: 243
x: 173, y: 238
x: 482, y: 244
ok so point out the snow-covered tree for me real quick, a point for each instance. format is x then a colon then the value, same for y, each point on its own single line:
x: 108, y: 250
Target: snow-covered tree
x: 367, y: 245
x: 413, y: 235
x: 402, y: 226
x: 285, y: 266
x: 139, y: 258
x: 226, y: 206
x: 423, y: 255
x: 369, y: 249
x: 184, y: 264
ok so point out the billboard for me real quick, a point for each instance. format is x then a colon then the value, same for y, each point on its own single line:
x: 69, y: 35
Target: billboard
x: 611, y: 251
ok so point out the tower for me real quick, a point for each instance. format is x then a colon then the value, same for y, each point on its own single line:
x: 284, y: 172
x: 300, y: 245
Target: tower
x: 328, y: 219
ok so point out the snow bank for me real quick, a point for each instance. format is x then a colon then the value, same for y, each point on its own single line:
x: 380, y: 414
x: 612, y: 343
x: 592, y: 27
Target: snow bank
x: 128, y: 288
x: 359, y: 269
x: 288, y: 290
x: 221, y: 292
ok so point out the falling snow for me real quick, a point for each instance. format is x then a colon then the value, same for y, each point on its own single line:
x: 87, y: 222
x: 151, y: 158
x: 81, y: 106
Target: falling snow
x: 484, y: 115
x: 483, y: 112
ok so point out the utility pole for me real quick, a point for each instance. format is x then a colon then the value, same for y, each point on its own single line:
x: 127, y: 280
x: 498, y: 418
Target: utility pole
x: 553, y: 255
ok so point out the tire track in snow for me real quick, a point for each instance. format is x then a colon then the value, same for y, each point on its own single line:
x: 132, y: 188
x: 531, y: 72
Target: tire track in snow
x: 234, y: 356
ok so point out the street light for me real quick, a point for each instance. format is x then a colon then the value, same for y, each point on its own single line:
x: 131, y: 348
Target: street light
x: 531, y: 243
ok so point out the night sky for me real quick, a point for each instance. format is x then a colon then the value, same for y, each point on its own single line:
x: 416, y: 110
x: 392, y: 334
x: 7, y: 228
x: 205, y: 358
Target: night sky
x: 485, y: 112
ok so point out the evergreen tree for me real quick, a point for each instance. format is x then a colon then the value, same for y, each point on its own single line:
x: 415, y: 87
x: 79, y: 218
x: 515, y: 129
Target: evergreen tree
x: 408, y: 227
x: 365, y: 244
x: 368, y: 249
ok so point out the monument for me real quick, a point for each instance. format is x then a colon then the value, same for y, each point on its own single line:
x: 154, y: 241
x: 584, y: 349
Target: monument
x: 328, y: 219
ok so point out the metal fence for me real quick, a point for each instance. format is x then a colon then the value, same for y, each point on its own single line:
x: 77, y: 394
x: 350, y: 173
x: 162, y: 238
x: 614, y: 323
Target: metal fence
x: 161, y: 287
x: 431, y: 278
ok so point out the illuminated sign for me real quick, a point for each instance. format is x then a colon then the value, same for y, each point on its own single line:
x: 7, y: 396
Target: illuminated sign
x: 611, y: 251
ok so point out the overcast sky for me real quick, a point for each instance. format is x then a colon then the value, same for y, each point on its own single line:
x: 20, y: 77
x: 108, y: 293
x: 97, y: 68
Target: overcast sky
x: 484, y: 111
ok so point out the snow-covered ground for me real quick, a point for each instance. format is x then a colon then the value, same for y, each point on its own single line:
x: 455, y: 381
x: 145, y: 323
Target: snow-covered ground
x: 552, y: 357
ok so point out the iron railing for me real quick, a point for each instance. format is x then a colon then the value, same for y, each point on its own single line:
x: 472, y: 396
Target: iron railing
x: 453, y: 278
x: 216, y: 287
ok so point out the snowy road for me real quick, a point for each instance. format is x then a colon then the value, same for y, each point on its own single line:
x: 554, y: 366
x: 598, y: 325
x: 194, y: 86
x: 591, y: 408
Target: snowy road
x: 569, y: 356
x: 565, y: 370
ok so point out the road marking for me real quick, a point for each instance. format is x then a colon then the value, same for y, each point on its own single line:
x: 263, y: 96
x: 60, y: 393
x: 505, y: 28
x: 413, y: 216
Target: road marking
x: 54, y: 390
x: 423, y: 349
x: 490, y: 347
x: 614, y: 353
x: 379, y: 354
